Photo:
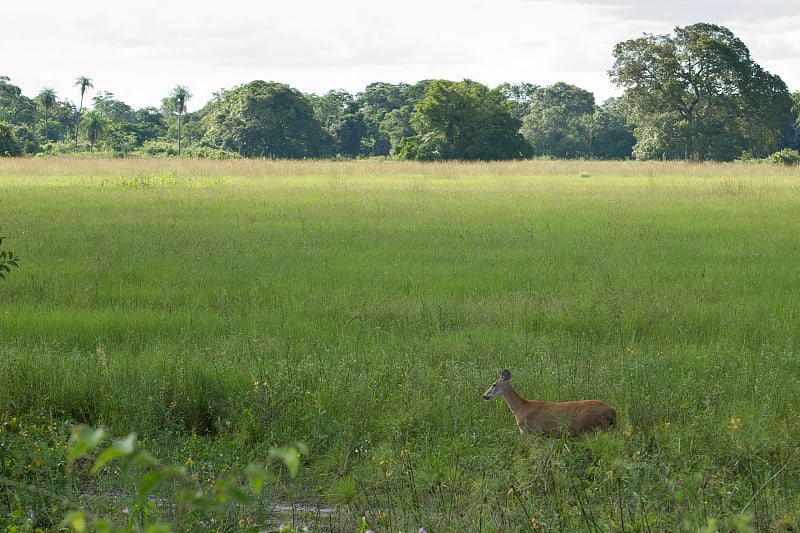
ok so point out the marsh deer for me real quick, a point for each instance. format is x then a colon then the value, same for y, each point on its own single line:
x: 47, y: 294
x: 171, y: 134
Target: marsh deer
x: 552, y: 419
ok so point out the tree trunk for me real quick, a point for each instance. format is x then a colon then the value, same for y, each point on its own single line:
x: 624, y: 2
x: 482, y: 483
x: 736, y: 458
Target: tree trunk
x: 179, y: 133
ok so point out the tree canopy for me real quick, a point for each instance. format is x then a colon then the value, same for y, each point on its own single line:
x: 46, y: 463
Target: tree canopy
x: 699, y: 93
x: 464, y: 120
x: 263, y: 119
x: 9, y: 145
x: 560, y: 121
x: 695, y: 94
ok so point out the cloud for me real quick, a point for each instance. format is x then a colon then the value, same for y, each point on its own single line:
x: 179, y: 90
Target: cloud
x: 275, y: 38
x: 142, y: 50
x: 681, y: 11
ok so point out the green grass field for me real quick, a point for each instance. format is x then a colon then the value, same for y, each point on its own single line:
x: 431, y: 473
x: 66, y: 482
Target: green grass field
x: 220, y: 308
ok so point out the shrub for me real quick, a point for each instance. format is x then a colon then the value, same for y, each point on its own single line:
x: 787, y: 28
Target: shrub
x: 158, y: 148
x: 169, y: 149
x: 787, y: 156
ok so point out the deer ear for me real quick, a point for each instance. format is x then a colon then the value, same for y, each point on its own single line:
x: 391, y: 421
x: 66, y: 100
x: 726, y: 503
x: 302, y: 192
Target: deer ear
x: 505, y: 375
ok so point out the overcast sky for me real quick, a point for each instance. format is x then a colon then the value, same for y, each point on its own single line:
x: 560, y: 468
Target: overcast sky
x: 141, y: 50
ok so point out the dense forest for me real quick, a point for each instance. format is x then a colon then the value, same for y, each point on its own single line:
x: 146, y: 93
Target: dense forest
x: 696, y: 95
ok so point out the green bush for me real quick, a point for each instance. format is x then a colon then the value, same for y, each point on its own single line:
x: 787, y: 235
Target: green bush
x: 787, y: 156
x: 170, y: 149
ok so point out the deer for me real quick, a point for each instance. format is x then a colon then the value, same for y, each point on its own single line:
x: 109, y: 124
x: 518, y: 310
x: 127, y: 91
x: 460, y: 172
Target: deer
x: 552, y: 419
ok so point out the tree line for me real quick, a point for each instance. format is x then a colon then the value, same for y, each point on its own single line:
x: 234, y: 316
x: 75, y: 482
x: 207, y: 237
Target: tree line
x: 695, y: 94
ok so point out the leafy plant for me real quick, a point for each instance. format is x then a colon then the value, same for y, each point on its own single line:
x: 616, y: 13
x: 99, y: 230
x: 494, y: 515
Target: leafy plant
x: 7, y: 260
x: 787, y: 157
x: 191, y: 503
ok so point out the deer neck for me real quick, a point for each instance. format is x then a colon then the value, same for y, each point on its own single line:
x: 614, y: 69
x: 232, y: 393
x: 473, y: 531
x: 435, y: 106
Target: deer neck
x: 515, y: 401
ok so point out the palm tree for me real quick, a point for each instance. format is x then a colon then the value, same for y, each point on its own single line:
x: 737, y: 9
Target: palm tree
x: 95, y: 125
x: 47, y: 97
x: 84, y: 83
x: 179, y: 97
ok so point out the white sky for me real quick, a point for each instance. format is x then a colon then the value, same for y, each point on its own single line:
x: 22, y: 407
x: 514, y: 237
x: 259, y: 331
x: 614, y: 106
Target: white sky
x: 140, y: 50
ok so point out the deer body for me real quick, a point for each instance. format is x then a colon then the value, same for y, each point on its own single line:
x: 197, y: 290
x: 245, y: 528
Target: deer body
x: 552, y: 419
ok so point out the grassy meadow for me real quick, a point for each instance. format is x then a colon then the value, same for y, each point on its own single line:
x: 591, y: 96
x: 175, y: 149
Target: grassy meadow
x: 218, y: 309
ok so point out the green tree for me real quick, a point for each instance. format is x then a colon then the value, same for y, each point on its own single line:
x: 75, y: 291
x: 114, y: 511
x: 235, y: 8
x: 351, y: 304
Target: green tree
x: 9, y: 144
x: 331, y: 107
x: 123, y: 133
x: 177, y: 101
x: 396, y: 125
x: 379, y: 98
x: 562, y: 121
x: 47, y: 98
x: 349, y: 133
x: 148, y: 124
x: 83, y: 83
x: 465, y: 121
x: 116, y: 110
x: 262, y: 119
x: 614, y: 137
x: 339, y: 113
x: 795, y: 136
x: 15, y: 108
x: 700, y: 93
x: 96, y: 126
x: 62, y: 120
x: 375, y: 102
x: 520, y: 96
x: 386, y: 110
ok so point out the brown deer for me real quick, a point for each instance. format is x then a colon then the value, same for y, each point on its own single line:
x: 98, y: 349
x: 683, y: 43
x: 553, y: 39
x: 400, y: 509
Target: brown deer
x: 552, y: 419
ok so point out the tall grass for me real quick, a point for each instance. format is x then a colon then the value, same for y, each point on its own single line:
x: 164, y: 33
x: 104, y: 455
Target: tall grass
x: 362, y: 307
